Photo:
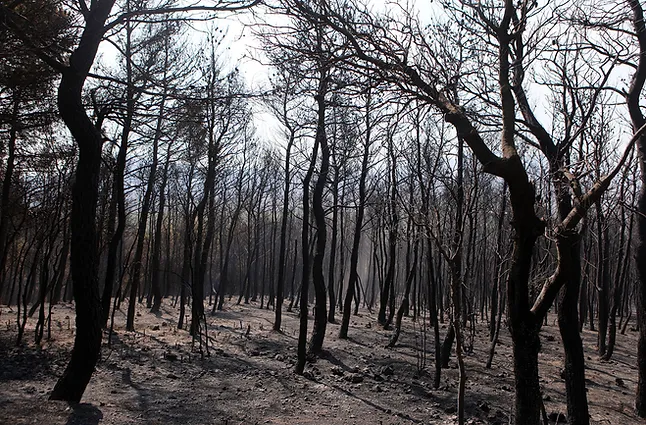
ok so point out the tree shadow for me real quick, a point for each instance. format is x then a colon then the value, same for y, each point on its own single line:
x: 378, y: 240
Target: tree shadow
x: 84, y: 414
x: 374, y: 405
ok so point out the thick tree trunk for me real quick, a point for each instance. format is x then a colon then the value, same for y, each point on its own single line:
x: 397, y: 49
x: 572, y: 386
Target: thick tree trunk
x: 640, y: 257
x: 523, y: 324
x: 577, y: 403
x: 528, y: 394
x: 84, y: 249
x: 638, y: 121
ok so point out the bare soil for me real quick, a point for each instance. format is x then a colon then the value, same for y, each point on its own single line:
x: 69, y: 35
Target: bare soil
x: 157, y: 376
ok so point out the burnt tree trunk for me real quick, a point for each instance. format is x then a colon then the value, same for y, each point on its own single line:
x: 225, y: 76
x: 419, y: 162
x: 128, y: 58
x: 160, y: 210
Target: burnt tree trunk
x: 387, y: 291
x: 157, y: 244
x: 306, y: 265
x: 84, y: 250
x: 356, y: 238
x: 318, y: 279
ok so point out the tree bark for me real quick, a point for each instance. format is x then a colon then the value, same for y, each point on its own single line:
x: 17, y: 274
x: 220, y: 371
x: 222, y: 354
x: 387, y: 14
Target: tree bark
x: 356, y: 238
x: 282, y: 253
x: 84, y: 250
x: 318, y: 279
x: 637, y: 118
x: 306, y: 266
x: 6, y: 185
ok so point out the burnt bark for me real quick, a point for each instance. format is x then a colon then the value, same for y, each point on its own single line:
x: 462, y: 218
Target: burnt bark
x: 638, y: 121
x: 84, y: 254
x: 356, y: 238
x: 318, y: 279
x: 282, y: 253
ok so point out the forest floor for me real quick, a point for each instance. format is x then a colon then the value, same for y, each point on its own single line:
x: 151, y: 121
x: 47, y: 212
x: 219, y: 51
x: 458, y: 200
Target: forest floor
x: 155, y: 376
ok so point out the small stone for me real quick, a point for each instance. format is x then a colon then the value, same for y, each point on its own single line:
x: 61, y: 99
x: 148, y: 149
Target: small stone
x: 484, y: 406
x: 337, y: 371
x: 377, y: 389
x: 387, y: 370
x: 557, y: 417
x: 308, y: 375
x: 355, y: 378
x: 450, y: 409
x: 279, y: 357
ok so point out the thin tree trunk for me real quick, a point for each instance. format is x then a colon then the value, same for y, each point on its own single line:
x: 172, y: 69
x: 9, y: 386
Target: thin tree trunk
x: 6, y: 185
x: 282, y: 254
x: 356, y: 239
x: 318, y: 278
x: 406, y: 300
